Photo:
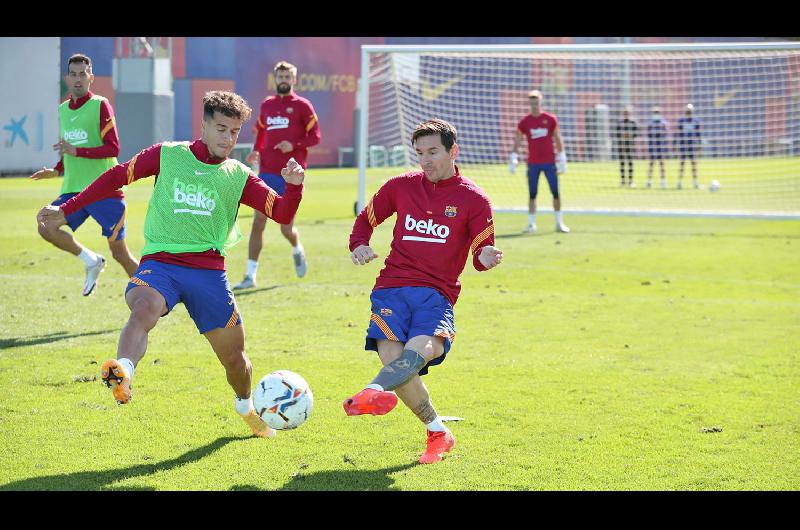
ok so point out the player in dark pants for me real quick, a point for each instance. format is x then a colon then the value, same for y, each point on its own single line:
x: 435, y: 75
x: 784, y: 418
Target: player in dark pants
x: 688, y: 138
x: 626, y: 137
x: 656, y: 145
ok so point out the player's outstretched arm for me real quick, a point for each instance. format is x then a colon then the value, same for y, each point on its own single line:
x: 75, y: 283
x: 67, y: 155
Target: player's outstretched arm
x: 490, y: 256
x: 362, y: 255
x: 44, y: 173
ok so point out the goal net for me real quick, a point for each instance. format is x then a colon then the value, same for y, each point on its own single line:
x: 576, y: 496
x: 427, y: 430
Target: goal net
x: 745, y: 98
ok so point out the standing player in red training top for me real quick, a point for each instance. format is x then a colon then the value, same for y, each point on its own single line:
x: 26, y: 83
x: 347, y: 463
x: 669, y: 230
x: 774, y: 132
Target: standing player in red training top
x: 442, y: 218
x: 190, y: 222
x: 545, y: 153
x: 88, y: 146
x: 287, y: 126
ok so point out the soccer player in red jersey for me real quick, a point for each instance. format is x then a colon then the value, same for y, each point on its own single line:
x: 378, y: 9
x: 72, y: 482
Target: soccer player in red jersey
x: 191, y: 220
x: 287, y: 126
x: 88, y: 146
x: 442, y: 218
x: 545, y: 153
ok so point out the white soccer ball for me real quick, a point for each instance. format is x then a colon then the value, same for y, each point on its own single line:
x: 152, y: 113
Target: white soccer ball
x: 714, y: 186
x: 283, y: 400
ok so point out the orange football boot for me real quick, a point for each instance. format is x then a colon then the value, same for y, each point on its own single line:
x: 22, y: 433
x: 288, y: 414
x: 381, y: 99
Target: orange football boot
x: 370, y: 401
x: 117, y: 379
x: 439, y: 442
x: 257, y: 425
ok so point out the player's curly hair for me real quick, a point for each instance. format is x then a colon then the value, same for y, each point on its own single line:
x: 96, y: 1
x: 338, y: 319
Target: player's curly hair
x: 230, y: 104
x: 445, y: 130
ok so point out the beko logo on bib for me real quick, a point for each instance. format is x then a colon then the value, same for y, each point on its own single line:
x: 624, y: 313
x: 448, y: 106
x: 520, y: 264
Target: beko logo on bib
x: 76, y: 136
x: 194, y: 195
x: 427, y: 227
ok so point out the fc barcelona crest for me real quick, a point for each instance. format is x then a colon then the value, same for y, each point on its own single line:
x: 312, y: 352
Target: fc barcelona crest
x: 450, y: 211
x: 289, y: 110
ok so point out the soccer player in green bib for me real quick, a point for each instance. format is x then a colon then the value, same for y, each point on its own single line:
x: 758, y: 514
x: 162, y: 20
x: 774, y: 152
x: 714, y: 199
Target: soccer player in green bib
x: 89, y: 145
x: 190, y: 222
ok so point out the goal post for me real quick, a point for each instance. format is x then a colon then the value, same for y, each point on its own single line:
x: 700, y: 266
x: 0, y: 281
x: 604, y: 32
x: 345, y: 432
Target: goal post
x: 745, y: 96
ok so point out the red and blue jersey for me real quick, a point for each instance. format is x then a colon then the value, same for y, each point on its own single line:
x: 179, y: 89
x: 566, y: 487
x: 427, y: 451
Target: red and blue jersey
x: 438, y: 226
x: 539, y: 131
x: 291, y: 118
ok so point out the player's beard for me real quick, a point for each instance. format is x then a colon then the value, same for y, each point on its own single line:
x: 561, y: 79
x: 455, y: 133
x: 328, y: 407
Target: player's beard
x: 284, y: 88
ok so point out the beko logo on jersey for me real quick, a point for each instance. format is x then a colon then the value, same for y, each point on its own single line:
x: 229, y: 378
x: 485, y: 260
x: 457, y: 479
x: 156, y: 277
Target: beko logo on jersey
x: 538, y: 133
x: 427, y: 227
x: 76, y: 136
x: 277, y: 122
x: 194, y: 195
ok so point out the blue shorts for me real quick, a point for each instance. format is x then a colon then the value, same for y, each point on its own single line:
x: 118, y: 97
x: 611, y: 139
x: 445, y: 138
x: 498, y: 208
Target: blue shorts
x: 401, y: 313
x: 109, y: 214
x: 205, y: 293
x: 275, y: 182
x: 533, y: 178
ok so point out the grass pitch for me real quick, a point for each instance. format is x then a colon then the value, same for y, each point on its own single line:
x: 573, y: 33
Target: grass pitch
x: 633, y: 354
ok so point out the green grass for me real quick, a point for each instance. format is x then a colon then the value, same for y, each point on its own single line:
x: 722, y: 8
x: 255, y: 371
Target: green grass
x: 747, y: 185
x: 635, y: 353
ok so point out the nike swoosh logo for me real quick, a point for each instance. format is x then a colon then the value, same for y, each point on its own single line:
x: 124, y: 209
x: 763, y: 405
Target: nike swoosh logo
x: 199, y: 173
x: 430, y: 92
x: 73, y: 118
x: 721, y: 99
x: 489, y: 220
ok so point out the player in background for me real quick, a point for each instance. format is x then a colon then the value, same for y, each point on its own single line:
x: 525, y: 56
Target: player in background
x: 545, y: 154
x: 287, y: 126
x: 688, y: 138
x: 88, y: 145
x: 657, y: 128
x: 626, y: 144
x: 442, y: 219
x: 191, y: 220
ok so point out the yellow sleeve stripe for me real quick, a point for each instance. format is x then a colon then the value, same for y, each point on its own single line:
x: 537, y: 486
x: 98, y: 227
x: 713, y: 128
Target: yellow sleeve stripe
x: 110, y: 125
x: 130, y: 168
x: 371, y: 214
x: 270, y: 202
x: 383, y: 327
x: 480, y: 238
x: 311, y: 122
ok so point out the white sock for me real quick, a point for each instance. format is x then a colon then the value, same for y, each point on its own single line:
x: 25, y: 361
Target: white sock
x: 244, y: 406
x: 88, y: 257
x: 298, y: 249
x: 374, y: 386
x: 436, y: 425
x: 531, y: 218
x: 558, y: 217
x: 252, y: 267
x: 128, y: 365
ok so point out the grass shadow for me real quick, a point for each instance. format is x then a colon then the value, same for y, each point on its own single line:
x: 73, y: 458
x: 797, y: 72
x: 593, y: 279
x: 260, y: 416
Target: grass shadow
x: 248, y: 292
x: 50, y: 337
x: 102, y: 480
x: 524, y: 234
x: 350, y: 480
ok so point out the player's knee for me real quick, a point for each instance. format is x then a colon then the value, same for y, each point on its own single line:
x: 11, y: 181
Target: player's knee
x: 145, y: 311
x: 237, y: 362
x: 118, y: 250
x: 288, y: 230
x: 46, y: 232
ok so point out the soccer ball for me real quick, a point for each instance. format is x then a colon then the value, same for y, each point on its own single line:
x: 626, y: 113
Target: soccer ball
x: 283, y: 400
x: 714, y: 186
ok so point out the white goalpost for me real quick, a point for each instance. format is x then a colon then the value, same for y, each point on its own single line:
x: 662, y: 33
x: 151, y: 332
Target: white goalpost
x: 746, y: 97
